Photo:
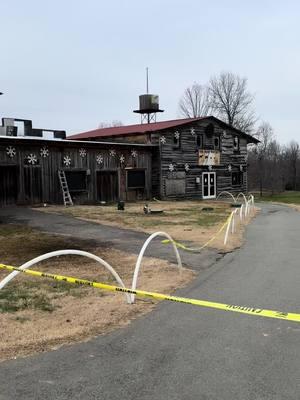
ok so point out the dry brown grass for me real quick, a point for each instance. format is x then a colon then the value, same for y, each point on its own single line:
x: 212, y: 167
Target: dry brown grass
x: 183, y: 220
x: 75, y: 313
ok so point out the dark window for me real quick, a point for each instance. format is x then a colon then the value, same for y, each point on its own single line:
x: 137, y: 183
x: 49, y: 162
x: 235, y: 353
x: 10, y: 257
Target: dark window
x: 199, y: 141
x: 237, y: 178
x: 209, y: 129
x: 135, y: 179
x: 236, y: 143
x: 217, y: 143
x: 176, y: 139
x: 76, y: 180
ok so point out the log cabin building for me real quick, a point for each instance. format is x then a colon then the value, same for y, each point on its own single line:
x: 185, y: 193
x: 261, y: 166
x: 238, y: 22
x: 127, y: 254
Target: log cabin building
x: 185, y: 158
x: 194, y: 158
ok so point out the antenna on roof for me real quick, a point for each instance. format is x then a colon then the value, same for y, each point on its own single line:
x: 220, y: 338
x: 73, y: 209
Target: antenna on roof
x: 147, y: 80
x: 149, y: 104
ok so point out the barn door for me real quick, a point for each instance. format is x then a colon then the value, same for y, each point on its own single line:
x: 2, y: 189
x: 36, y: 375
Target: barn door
x: 107, y: 186
x: 8, y: 185
x: 208, y: 185
x: 33, y: 184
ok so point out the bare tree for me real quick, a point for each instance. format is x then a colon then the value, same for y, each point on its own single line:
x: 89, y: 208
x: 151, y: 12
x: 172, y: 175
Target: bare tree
x: 293, y: 153
x: 111, y: 124
x: 194, y: 102
x: 231, y: 101
x: 265, y: 135
x: 258, y: 155
x: 273, y: 170
x: 273, y: 167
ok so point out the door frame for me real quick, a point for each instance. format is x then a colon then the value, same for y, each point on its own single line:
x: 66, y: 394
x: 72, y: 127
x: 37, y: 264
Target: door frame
x: 209, y: 186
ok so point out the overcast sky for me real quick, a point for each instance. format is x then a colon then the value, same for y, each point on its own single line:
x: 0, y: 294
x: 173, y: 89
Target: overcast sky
x: 72, y: 64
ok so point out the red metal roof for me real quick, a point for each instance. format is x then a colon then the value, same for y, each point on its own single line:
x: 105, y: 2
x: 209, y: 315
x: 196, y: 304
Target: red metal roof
x: 132, y: 129
x: 152, y: 127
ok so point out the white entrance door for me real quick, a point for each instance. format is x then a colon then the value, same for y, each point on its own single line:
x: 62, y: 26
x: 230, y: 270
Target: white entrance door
x: 208, y: 185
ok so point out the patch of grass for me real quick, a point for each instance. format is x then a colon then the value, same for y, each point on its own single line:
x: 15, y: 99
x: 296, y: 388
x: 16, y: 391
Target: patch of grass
x: 289, y: 197
x: 15, y: 298
x: 12, y: 230
x: 209, y: 219
x: 65, y: 288
x: 36, y: 295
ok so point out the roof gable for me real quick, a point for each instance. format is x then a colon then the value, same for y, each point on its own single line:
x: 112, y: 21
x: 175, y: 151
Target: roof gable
x: 126, y: 130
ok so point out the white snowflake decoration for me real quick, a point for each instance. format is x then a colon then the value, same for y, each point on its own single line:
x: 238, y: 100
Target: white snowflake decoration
x: 192, y: 131
x: 171, y: 167
x: 134, y: 153
x: 177, y: 135
x: 229, y: 168
x: 99, y: 159
x: 163, y: 140
x: 112, y: 153
x: 186, y: 167
x: 67, y: 161
x: 32, y: 159
x: 82, y: 153
x: 11, y: 151
x: 44, y: 152
x: 122, y: 158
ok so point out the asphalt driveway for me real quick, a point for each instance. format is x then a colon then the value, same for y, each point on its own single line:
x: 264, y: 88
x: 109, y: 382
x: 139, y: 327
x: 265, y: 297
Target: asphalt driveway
x: 183, y: 352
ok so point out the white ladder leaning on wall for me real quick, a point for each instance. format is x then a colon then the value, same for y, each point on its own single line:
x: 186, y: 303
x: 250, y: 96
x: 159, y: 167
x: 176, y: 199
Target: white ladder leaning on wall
x: 65, y: 189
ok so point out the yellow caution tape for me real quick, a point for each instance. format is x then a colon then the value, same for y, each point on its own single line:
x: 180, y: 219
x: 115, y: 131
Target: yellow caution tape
x: 141, y: 293
x: 183, y: 247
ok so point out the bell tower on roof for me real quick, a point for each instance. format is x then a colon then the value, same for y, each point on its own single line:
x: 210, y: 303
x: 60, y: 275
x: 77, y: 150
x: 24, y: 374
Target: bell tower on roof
x: 149, y: 104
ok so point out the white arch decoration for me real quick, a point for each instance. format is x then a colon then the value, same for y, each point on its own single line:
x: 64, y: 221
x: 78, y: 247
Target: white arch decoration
x: 251, y: 201
x: 141, y: 255
x: 246, y: 202
x: 241, y: 212
x: 225, y: 192
x: 241, y: 194
x: 38, y: 259
x: 235, y: 199
x: 229, y: 224
x: 233, y: 224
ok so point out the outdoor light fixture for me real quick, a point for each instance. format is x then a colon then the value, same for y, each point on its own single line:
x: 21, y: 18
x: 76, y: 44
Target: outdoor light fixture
x: 229, y: 168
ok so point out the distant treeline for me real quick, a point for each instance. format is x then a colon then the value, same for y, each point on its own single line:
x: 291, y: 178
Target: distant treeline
x: 271, y: 166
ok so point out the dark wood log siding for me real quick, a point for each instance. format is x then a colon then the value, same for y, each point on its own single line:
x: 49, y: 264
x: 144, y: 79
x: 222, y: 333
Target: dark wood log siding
x: 47, y: 189
x: 187, y: 153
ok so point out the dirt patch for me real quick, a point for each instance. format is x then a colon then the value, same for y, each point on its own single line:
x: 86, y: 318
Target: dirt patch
x: 192, y: 221
x: 39, y: 314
